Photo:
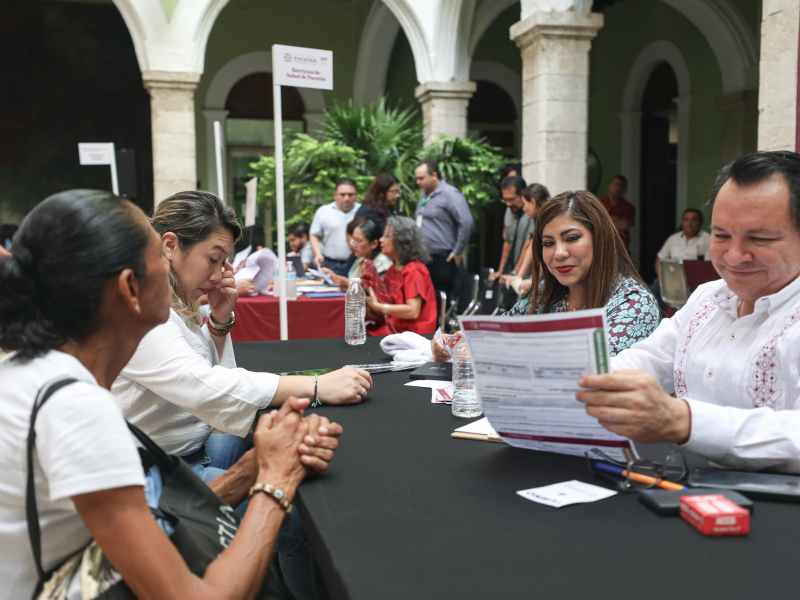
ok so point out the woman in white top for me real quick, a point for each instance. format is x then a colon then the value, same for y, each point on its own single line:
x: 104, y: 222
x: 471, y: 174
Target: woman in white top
x: 182, y: 383
x: 87, y: 280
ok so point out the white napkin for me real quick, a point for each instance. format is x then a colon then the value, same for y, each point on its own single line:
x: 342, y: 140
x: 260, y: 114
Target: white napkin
x: 407, y: 347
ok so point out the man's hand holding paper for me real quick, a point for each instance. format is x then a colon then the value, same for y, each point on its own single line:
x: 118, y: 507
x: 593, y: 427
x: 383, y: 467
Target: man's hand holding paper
x: 631, y: 403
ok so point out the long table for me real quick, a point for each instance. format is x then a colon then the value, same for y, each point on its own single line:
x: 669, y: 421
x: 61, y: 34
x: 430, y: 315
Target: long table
x: 308, y: 318
x: 407, y: 512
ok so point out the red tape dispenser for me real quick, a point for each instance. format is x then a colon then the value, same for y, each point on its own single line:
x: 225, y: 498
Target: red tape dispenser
x: 715, y: 515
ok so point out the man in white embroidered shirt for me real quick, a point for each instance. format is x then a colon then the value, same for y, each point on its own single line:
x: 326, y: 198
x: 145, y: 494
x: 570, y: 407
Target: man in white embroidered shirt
x: 731, y: 354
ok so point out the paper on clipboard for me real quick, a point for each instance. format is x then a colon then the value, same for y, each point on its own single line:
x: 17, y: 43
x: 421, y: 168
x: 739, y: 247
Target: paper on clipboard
x: 527, y: 371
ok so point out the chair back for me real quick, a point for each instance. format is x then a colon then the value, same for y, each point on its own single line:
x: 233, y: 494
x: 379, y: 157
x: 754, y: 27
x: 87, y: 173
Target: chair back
x: 487, y: 293
x: 672, y: 280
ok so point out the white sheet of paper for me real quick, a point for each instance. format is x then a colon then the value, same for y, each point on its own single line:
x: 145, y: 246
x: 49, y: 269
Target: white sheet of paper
x: 479, y: 427
x: 441, y: 391
x: 241, y: 256
x: 434, y: 384
x: 566, y: 493
x: 527, y: 371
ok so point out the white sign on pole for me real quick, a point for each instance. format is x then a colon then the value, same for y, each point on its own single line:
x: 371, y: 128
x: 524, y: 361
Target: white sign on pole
x: 218, y: 156
x: 302, y: 67
x: 295, y: 67
x: 250, y: 202
x: 92, y: 153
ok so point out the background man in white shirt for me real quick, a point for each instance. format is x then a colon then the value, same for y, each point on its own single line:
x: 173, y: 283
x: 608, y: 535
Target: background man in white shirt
x: 731, y: 354
x: 329, y: 228
x: 690, y: 243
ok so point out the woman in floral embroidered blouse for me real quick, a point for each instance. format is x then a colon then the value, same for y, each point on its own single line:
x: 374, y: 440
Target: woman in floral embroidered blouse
x: 581, y: 263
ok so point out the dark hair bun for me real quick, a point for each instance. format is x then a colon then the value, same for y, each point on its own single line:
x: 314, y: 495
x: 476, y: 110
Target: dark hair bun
x: 62, y: 256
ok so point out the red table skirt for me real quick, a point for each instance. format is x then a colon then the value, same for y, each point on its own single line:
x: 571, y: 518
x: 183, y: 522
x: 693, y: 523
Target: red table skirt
x: 309, y: 318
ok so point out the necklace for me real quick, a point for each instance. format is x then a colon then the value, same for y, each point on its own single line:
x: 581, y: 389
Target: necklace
x: 571, y: 307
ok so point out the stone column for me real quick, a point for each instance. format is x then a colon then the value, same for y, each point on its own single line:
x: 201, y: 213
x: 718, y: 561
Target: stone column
x: 444, y: 107
x: 555, y: 95
x: 173, y: 131
x: 777, y: 85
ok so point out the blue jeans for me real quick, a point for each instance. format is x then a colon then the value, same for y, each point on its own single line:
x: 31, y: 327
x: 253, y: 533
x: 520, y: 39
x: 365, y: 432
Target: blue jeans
x: 222, y: 450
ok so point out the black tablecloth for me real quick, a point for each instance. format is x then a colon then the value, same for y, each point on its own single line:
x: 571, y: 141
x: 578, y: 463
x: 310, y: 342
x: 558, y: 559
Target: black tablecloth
x: 408, y: 512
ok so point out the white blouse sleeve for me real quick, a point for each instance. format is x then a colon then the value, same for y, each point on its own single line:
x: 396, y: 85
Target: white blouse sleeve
x: 654, y: 354
x: 221, y: 395
x: 757, y: 438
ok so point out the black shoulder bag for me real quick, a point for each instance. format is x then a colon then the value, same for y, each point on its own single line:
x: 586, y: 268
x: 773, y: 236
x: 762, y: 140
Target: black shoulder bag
x: 203, y: 525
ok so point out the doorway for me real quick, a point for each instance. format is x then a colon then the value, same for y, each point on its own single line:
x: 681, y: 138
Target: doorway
x: 659, y: 160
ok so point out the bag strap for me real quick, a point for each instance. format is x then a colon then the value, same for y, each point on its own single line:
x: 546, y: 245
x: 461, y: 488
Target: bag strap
x: 164, y: 462
x: 31, y: 508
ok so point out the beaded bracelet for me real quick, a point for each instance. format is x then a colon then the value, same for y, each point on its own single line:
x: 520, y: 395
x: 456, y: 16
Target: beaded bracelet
x: 221, y: 329
x: 273, y: 492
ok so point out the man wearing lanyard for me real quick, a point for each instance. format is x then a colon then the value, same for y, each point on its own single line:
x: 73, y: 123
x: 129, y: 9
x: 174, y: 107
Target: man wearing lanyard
x: 446, y: 223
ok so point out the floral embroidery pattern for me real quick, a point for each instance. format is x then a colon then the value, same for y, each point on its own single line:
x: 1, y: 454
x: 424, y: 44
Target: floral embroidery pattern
x: 699, y: 319
x: 763, y: 387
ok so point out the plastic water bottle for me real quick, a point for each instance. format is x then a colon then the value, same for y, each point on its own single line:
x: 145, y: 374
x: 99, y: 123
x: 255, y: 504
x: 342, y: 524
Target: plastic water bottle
x: 466, y: 403
x: 355, y: 312
x: 291, y: 282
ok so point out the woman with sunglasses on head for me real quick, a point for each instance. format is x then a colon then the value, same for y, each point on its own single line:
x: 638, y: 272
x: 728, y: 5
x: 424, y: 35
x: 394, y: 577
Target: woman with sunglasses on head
x: 87, y: 279
x: 581, y: 262
x: 182, y: 386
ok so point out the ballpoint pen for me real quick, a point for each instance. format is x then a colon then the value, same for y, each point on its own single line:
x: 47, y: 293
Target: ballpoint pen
x: 634, y: 476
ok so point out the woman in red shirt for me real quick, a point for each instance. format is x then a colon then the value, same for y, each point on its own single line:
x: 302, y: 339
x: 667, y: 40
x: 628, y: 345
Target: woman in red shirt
x: 411, y: 305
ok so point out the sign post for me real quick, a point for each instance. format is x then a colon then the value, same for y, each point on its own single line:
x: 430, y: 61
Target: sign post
x: 218, y: 156
x: 91, y: 153
x: 294, y: 67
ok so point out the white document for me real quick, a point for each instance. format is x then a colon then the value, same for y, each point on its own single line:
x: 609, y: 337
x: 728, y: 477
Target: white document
x: 481, y: 427
x: 527, y: 371
x: 566, y: 493
x: 441, y: 391
x: 240, y: 256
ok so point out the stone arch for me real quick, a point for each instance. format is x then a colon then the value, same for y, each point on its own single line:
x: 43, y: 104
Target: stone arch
x: 499, y: 74
x: 647, y: 60
x: 221, y: 84
x: 408, y: 20
x: 485, y: 15
x: 730, y: 40
x: 374, y: 53
x: 141, y: 19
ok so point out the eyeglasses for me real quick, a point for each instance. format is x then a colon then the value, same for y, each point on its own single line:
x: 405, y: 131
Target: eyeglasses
x: 673, y: 469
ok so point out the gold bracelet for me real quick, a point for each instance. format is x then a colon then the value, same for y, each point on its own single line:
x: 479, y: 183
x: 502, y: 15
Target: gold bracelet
x: 273, y: 492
